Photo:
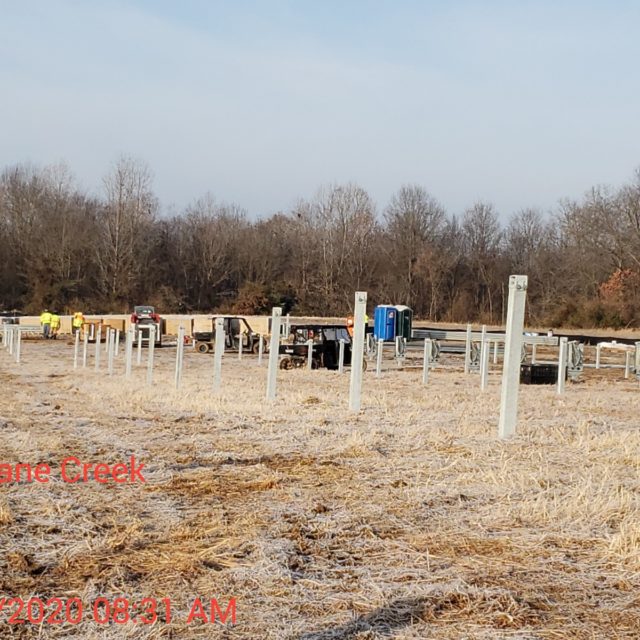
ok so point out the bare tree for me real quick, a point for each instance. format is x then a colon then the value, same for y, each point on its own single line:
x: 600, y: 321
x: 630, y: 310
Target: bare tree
x: 129, y: 211
x: 414, y: 222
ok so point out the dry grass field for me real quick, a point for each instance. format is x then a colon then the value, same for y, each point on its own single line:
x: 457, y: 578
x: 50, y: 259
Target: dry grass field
x: 409, y: 520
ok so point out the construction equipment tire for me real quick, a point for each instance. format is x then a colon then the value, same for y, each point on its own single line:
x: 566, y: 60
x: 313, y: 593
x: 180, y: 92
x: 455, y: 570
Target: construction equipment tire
x: 202, y: 347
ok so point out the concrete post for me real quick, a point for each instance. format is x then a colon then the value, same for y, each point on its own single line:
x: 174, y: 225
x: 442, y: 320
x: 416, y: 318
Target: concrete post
x: 98, y: 333
x: 341, y: 356
x: 274, y: 353
x: 379, y: 358
x: 76, y: 349
x: 495, y: 352
x: 151, y: 354
x: 260, y: 348
x: 533, y: 353
x: 240, y: 346
x: 179, y: 354
x: 85, y: 348
x: 637, y: 360
x: 116, y: 350
x: 217, y: 354
x: 598, y: 348
x: 562, y: 363
x: 467, y: 350
x: 426, y: 363
x: 357, y: 351
x: 139, y: 354
x: 485, y: 350
x: 512, y: 351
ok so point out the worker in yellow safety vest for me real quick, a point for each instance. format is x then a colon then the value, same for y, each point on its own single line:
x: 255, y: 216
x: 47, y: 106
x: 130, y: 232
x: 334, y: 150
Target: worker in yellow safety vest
x: 77, y: 322
x: 45, y: 323
x: 55, y: 325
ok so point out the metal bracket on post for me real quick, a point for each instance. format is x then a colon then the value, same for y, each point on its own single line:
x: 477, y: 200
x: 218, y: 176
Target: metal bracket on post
x: 467, y: 350
x: 512, y: 349
x: 357, y: 351
x: 575, y: 359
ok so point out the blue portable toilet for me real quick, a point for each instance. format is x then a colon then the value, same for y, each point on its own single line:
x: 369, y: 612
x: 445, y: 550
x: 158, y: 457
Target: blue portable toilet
x: 384, y: 323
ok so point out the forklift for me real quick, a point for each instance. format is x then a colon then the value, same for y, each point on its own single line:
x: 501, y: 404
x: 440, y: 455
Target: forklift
x: 325, y: 348
x: 236, y: 328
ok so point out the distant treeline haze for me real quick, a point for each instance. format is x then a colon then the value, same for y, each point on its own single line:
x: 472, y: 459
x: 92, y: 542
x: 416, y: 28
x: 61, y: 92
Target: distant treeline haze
x: 67, y: 250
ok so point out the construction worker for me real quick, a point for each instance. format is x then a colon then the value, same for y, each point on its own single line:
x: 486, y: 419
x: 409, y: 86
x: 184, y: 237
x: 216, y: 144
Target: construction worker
x: 55, y: 325
x: 350, y: 325
x: 45, y: 323
x: 77, y: 322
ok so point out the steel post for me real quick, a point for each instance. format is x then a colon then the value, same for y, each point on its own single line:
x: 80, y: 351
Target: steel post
x: 512, y: 351
x: 217, y: 355
x: 379, y: 358
x: 562, y: 364
x: 274, y: 353
x: 357, y: 351
x: 426, y: 363
x: 98, y: 333
x: 179, y: 355
x: 150, y: 354
x: 309, y: 355
x: 76, y: 349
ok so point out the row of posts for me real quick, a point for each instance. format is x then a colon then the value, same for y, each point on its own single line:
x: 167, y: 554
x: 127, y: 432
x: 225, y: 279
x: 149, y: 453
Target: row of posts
x: 510, y: 374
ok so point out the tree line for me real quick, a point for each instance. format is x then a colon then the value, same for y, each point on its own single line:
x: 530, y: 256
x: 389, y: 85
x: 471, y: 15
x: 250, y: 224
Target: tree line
x: 63, y: 248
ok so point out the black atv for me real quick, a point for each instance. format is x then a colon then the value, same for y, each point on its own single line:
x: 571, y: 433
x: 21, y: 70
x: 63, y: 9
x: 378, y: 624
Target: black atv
x: 236, y: 328
x: 325, y: 348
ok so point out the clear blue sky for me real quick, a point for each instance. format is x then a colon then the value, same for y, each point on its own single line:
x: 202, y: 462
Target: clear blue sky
x: 518, y: 103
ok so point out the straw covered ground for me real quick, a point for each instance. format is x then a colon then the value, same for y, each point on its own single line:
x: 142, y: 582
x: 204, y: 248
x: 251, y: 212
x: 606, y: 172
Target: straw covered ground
x: 408, y: 520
